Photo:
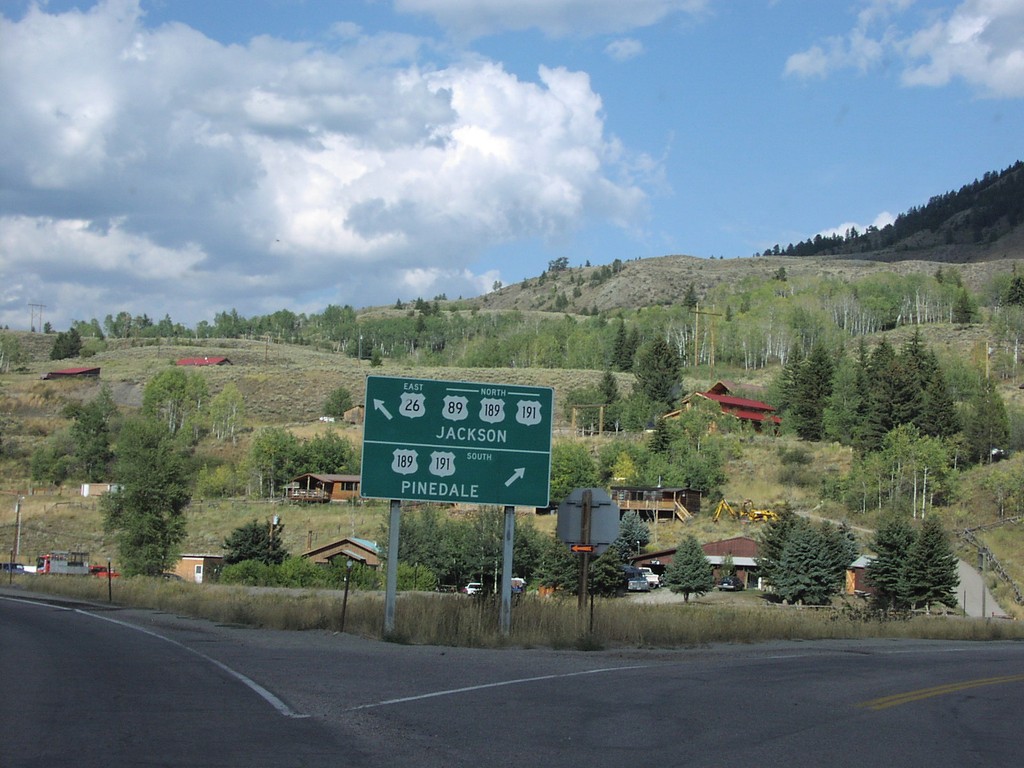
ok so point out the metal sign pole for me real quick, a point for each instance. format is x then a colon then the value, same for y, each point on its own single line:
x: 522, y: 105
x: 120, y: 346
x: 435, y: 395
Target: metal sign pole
x: 391, y: 588
x: 588, y: 499
x: 506, y: 571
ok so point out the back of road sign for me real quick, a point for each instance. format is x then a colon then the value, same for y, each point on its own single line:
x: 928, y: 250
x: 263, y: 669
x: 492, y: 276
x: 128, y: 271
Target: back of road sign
x: 604, y: 521
x: 449, y: 441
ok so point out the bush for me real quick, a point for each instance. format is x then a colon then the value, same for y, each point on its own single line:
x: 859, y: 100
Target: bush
x: 302, y: 572
x: 219, y: 482
x: 252, y: 573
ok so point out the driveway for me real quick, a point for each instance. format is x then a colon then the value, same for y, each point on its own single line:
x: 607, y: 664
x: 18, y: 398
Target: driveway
x: 974, y: 597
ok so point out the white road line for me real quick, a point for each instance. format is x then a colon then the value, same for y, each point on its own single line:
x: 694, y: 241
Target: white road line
x: 266, y: 695
x: 501, y: 684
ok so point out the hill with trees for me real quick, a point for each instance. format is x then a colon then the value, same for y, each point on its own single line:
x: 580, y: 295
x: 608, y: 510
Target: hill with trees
x: 897, y: 384
x: 979, y: 221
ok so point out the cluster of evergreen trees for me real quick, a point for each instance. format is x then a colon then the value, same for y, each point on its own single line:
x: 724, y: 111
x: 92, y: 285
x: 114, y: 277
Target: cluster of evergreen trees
x: 913, y: 569
x: 910, y: 427
x: 976, y: 213
x: 858, y: 400
x: 805, y: 563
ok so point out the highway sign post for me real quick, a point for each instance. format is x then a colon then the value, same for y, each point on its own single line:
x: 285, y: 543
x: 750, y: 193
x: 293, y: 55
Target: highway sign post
x: 456, y: 442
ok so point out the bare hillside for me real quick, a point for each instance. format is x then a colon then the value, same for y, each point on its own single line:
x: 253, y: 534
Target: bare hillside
x: 666, y: 279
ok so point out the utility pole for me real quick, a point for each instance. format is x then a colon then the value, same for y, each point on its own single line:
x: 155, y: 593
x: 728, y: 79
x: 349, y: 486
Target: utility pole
x: 697, y: 312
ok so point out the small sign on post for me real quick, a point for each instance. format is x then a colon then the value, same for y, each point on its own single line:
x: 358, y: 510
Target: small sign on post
x: 588, y: 521
x: 603, y: 524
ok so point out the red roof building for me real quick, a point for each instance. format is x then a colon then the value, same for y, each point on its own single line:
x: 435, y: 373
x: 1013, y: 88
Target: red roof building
x: 752, y: 412
x: 72, y: 372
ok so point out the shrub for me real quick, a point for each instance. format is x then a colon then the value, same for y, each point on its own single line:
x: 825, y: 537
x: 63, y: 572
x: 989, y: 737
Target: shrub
x: 252, y: 573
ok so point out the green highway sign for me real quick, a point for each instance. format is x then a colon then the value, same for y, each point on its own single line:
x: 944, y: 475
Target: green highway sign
x: 456, y: 441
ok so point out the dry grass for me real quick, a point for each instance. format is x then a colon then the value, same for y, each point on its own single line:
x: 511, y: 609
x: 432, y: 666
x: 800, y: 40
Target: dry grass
x: 455, y: 620
x: 69, y: 521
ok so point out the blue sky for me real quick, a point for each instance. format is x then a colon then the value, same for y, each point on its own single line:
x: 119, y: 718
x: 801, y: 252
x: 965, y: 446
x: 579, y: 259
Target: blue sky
x: 185, y: 157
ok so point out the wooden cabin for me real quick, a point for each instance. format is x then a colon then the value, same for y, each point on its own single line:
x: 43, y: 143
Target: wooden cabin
x: 322, y: 488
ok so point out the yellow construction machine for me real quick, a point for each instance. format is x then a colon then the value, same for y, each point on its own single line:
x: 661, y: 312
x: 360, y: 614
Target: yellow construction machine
x: 746, y: 512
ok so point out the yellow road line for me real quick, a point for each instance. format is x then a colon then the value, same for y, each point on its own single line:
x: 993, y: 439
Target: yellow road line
x: 939, y: 690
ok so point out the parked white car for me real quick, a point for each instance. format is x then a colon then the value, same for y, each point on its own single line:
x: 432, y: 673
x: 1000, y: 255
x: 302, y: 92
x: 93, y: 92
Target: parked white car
x: 473, y: 588
x: 653, y: 579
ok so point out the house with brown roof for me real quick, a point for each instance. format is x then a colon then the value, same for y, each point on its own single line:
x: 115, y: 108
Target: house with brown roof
x: 358, y: 550
x: 740, y: 551
x: 657, y: 503
x: 320, y: 487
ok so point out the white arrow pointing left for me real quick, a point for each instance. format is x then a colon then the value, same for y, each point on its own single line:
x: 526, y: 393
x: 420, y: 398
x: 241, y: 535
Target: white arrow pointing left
x: 379, y: 405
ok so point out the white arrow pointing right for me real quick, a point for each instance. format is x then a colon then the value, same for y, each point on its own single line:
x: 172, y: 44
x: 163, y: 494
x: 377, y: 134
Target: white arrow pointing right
x: 517, y: 475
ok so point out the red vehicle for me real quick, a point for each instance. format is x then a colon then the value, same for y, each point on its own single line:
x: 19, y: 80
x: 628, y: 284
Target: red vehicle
x: 102, y: 572
x: 71, y: 563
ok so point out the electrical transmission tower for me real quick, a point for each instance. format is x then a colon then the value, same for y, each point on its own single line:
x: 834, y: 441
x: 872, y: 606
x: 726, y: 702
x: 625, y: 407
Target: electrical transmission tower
x: 36, y: 309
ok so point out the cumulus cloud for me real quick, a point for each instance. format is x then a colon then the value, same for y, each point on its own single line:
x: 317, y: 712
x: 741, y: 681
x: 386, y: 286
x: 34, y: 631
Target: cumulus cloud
x: 982, y: 42
x: 160, y: 171
x: 555, y: 18
x: 979, y: 41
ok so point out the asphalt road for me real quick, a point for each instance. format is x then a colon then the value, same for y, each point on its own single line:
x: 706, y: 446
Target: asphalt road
x: 155, y: 689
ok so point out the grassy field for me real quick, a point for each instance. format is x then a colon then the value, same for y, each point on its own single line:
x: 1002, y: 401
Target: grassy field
x: 551, y: 622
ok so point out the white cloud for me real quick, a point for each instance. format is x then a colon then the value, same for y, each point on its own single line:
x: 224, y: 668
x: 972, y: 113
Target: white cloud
x: 161, y: 169
x: 555, y: 18
x: 881, y: 221
x: 624, y: 49
x: 979, y: 41
x: 982, y: 42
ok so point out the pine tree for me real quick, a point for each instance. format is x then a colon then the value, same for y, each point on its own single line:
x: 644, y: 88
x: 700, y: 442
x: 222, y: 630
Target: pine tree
x: 811, y: 386
x: 772, y: 542
x: 964, y: 309
x: 939, y: 417
x: 609, y: 388
x: 634, y: 535
x: 690, y: 572
x: 878, y: 419
x: 657, y: 370
x: 987, y: 426
x: 660, y: 440
x: 931, y: 570
x: 887, y: 572
x: 840, y: 550
x: 690, y: 299
x: 1015, y: 293
x: 804, y: 573
x: 256, y: 541
x: 66, y: 345
x: 841, y: 417
x: 622, y: 350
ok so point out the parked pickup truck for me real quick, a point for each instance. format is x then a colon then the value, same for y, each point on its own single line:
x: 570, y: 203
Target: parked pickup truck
x: 653, y: 579
x: 102, y: 572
